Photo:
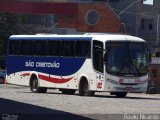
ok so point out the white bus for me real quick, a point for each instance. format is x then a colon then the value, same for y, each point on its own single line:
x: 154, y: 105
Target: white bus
x: 88, y: 63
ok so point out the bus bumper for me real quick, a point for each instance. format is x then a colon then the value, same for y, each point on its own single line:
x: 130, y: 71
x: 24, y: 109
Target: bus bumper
x: 114, y: 86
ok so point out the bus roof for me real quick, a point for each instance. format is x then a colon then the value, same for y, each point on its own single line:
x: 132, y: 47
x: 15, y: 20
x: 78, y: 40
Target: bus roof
x: 98, y: 36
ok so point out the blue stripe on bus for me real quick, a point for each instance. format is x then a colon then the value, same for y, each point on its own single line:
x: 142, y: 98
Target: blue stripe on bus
x: 49, y: 65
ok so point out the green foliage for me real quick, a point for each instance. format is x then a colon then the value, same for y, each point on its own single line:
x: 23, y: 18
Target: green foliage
x: 8, y: 22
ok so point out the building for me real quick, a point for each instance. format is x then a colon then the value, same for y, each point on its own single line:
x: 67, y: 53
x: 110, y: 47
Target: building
x: 154, y: 75
x: 148, y: 23
x: 138, y: 19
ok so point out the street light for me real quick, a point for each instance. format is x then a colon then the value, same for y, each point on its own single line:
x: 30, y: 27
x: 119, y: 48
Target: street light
x: 129, y: 6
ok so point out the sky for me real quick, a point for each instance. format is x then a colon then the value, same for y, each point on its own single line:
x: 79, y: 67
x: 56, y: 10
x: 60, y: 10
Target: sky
x: 148, y: 2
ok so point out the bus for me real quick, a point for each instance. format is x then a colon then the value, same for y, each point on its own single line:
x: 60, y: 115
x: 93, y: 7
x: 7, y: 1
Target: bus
x: 89, y: 63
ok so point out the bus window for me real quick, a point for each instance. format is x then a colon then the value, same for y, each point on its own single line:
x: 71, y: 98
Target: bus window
x: 54, y: 48
x: 83, y: 49
x: 98, y: 55
x: 68, y: 48
x: 40, y: 48
x: 27, y: 47
x: 15, y: 47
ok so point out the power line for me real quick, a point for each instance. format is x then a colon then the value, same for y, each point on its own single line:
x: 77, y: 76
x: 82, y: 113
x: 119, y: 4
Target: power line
x: 129, y: 7
x: 134, y: 12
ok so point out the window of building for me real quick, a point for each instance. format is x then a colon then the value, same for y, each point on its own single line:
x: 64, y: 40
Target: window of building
x: 157, y: 54
x: 15, y: 47
x: 150, y: 27
x: 146, y: 24
x: 40, y: 48
x: 148, y: 2
x: 26, y: 47
x: 92, y: 17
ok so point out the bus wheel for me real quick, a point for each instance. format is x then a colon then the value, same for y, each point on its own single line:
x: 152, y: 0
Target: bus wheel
x: 121, y: 94
x: 84, y: 89
x: 2, y: 80
x: 35, y: 88
x: 68, y: 91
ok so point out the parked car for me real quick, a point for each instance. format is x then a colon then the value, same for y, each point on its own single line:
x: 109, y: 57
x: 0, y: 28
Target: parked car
x: 2, y: 77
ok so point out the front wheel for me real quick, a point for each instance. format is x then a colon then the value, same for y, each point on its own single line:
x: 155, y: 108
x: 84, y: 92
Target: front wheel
x: 84, y: 89
x: 35, y: 88
x: 2, y: 80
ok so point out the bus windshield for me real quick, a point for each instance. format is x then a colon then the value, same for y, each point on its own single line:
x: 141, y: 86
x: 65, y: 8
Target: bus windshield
x: 126, y: 58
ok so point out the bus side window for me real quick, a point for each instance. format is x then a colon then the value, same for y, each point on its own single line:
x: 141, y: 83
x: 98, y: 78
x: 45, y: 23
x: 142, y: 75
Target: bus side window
x: 54, y: 48
x: 40, y: 47
x: 83, y: 49
x: 27, y: 47
x: 15, y: 47
x: 68, y: 48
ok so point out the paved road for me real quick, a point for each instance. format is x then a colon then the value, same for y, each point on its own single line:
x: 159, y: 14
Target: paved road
x: 18, y: 100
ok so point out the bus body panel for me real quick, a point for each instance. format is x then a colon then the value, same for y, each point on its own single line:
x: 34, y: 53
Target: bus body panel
x: 66, y: 72
x: 126, y: 84
x: 54, y: 81
x: 51, y: 65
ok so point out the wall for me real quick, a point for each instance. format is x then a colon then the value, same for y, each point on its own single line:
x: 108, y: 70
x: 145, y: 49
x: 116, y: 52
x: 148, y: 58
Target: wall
x: 154, y: 76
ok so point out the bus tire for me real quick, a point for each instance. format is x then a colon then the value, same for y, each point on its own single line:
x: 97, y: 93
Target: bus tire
x: 121, y: 94
x: 84, y: 88
x: 35, y: 88
x: 2, y: 80
x: 68, y: 91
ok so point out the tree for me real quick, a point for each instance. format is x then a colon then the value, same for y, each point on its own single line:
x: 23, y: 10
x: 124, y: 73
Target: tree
x: 8, y: 22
